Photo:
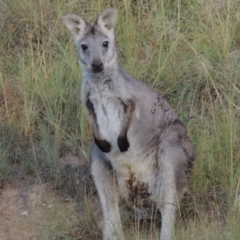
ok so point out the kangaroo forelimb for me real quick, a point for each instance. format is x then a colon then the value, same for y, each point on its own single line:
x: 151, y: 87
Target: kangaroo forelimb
x: 123, y: 142
x: 102, y: 144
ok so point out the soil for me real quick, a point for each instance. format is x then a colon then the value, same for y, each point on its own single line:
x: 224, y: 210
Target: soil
x: 23, y: 204
x: 28, y: 207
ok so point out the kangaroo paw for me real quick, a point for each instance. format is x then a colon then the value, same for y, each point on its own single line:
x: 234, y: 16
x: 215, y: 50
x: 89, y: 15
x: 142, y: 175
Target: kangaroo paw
x: 103, y: 145
x: 123, y: 143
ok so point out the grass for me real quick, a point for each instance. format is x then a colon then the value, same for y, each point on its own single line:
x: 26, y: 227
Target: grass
x: 186, y: 50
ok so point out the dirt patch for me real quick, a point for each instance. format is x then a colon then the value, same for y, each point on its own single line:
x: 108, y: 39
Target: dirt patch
x: 64, y: 207
x: 25, y: 209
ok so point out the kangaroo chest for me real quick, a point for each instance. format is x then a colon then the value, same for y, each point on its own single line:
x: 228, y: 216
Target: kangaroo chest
x: 109, y: 114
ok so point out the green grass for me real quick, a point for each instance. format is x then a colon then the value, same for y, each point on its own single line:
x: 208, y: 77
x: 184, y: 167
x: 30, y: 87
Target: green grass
x: 186, y: 50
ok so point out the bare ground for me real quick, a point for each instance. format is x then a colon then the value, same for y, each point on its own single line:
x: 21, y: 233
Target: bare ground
x: 30, y: 209
x: 24, y: 207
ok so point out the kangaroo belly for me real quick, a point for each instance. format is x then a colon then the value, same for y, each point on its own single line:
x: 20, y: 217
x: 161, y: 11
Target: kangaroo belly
x: 135, y: 182
x: 135, y: 173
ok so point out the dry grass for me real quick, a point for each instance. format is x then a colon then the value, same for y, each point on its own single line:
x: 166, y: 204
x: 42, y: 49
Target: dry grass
x: 187, y: 50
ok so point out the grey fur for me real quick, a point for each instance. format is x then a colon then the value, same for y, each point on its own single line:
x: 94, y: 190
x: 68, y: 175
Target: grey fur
x: 142, y: 151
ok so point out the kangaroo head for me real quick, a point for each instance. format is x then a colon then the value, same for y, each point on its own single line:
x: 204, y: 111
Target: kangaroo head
x: 95, y: 44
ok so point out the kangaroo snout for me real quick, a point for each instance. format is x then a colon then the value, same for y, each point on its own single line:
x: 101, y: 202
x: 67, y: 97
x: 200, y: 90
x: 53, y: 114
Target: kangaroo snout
x: 97, y: 66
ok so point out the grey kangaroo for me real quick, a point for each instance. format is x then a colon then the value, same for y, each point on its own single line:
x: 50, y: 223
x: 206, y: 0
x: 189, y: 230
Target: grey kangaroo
x: 142, y: 151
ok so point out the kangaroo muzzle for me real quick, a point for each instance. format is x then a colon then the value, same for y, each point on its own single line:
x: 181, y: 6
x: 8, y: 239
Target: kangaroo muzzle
x: 97, y: 66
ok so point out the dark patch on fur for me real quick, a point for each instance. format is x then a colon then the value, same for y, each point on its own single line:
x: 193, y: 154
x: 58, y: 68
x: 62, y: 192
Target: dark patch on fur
x: 161, y: 103
x: 153, y: 111
x: 123, y: 143
x: 124, y: 105
x: 138, y: 193
x: 103, y: 145
x: 90, y: 108
x: 93, y: 30
x: 128, y: 109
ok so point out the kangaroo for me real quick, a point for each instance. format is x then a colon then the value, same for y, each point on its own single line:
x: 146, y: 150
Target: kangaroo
x: 142, y: 151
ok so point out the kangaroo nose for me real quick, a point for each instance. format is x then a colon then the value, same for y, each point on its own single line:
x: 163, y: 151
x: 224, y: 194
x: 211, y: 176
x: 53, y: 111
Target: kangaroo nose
x: 97, y: 66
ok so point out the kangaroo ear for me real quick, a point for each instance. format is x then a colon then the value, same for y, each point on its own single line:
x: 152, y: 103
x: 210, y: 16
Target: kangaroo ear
x: 74, y: 24
x: 107, y: 19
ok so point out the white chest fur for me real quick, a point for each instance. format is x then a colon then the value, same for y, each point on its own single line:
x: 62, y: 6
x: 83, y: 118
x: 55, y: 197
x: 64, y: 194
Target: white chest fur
x: 109, y: 116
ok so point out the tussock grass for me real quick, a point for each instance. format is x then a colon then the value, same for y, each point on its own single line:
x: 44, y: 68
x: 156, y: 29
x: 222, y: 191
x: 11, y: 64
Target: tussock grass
x: 187, y: 50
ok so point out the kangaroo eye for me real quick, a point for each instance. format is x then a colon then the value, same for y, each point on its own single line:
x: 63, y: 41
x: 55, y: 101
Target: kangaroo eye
x: 84, y: 47
x: 105, y: 44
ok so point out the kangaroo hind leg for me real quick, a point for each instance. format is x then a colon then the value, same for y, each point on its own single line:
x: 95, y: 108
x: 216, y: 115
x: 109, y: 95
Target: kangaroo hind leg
x: 171, y: 183
x: 106, y: 186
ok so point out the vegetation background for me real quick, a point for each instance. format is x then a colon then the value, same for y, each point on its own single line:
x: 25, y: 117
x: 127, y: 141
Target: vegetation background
x: 187, y: 50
